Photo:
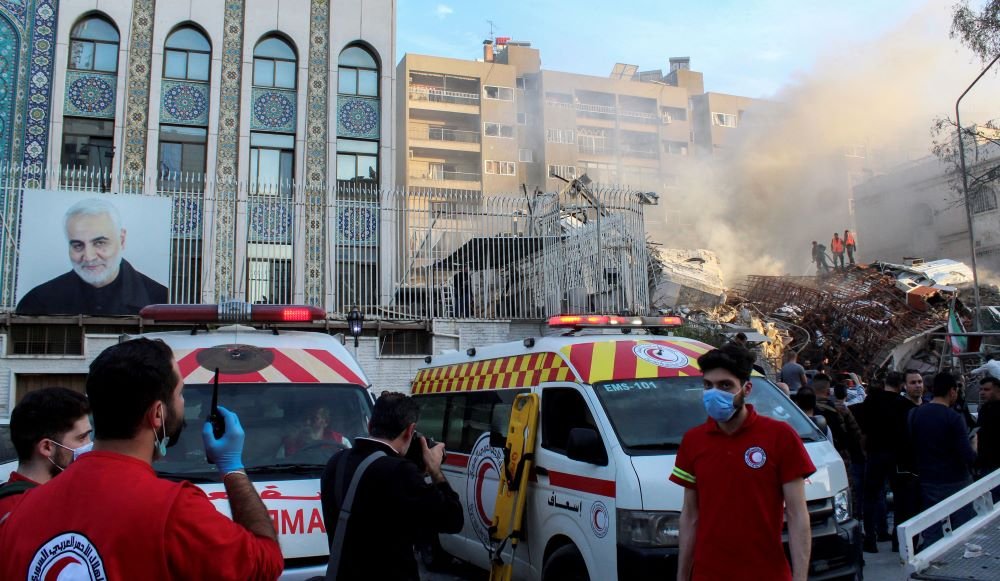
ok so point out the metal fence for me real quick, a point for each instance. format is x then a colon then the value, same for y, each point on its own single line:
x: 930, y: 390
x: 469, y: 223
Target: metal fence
x: 395, y: 254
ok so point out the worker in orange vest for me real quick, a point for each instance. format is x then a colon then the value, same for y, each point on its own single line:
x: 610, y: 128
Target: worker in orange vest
x: 837, y: 247
x: 851, y: 244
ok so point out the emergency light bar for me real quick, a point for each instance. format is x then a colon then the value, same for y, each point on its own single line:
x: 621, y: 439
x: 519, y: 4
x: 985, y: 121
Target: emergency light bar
x: 611, y: 321
x: 233, y: 312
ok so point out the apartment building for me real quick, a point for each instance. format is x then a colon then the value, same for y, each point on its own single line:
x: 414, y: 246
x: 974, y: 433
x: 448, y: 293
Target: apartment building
x: 495, y: 124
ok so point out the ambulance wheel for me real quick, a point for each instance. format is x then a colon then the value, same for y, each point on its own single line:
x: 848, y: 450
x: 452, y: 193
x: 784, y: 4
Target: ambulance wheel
x: 565, y: 564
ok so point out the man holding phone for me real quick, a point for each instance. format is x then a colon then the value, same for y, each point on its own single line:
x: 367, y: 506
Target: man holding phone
x: 393, y: 505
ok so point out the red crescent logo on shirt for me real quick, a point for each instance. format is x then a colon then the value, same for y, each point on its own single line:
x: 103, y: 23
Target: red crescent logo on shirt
x: 67, y: 557
x: 755, y: 457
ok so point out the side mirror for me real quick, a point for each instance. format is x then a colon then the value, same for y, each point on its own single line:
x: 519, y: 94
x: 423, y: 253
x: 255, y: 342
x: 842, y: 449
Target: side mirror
x: 820, y: 422
x: 497, y: 440
x: 585, y: 445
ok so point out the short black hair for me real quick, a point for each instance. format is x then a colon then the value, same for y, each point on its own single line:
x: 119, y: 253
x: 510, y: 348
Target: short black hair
x: 46, y: 413
x: 731, y: 357
x: 990, y: 379
x: 944, y: 382
x: 393, y: 413
x: 840, y: 390
x: 911, y: 372
x: 821, y: 377
x: 805, y: 398
x: 124, y: 381
x: 895, y: 379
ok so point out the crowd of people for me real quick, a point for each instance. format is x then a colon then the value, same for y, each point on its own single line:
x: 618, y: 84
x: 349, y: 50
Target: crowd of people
x: 838, y: 247
x: 922, y: 444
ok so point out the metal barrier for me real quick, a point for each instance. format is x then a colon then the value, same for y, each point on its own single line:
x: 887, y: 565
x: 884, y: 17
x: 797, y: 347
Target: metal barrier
x: 395, y: 254
x: 978, y: 494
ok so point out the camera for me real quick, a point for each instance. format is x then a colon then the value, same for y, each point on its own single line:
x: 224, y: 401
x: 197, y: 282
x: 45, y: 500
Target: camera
x: 416, y: 452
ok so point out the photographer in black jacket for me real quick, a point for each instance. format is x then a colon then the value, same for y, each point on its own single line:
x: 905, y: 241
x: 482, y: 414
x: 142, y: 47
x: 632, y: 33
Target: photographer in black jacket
x: 394, y: 504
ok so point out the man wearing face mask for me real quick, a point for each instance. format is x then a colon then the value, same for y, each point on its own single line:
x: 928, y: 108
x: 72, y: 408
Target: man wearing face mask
x: 49, y: 429
x: 740, y: 472
x: 108, y: 516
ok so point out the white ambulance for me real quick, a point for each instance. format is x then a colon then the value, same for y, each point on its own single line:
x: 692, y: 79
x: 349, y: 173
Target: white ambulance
x: 614, y: 408
x: 300, y: 397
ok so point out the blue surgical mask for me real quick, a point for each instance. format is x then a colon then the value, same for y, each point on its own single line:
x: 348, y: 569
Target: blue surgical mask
x: 719, y: 404
x: 77, y: 452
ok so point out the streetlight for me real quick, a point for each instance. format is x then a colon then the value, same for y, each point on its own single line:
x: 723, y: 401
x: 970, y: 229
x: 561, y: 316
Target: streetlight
x: 355, y: 323
x: 965, y: 193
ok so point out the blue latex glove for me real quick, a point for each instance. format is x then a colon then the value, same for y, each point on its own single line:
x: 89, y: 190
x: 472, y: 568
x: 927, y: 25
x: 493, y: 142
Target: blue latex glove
x: 227, y: 451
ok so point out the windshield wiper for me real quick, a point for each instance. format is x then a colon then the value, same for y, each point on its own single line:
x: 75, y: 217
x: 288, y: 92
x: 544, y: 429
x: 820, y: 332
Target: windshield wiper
x: 285, y: 468
x: 657, y: 446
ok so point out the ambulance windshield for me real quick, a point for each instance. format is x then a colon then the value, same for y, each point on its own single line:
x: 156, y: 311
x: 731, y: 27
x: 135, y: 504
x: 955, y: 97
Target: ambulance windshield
x: 653, y: 414
x: 291, y: 429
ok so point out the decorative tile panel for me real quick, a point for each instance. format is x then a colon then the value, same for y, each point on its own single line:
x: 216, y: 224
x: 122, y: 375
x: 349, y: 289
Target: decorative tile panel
x: 270, y: 221
x: 187, y: 217
x: 137, y: 90
x: 90, y: 94
x: 272, y: 110
x: 357, y: 117
x: 42, y: 48
x: 317, y: 125
x: 10, y: 47
x: 227, y: 160
x: 184, y: 103
x: 357, y: 224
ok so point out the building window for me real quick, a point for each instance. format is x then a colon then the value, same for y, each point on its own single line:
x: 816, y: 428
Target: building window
x: 675, y: 147
x: 560, y: 136
x: 567, y: 172
x: 187, y: 55
x: 274, y: 64
x: 670, y: 114
x: 358, y: 73
x: 723, y: 119
x: 498, y: 130
x: 46, y: 340
x: 525, y: 155
x: 88, y: 143
x: 502, y: 168
x: 519, y: 83
x: 93, y: 45
x: 982, y: 199
x: 522, y: 118
x: 357, y: 161
x: 498, y: 93
x: 182, y: 154
x: 272, y: 163
x: 404, y: 342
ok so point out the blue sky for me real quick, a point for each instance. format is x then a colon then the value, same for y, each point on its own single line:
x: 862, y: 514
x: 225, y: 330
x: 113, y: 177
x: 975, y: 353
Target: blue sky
x: 750, y: 47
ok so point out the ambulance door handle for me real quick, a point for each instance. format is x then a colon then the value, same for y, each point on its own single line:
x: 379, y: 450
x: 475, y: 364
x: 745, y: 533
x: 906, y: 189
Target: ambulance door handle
x: 541, y: 471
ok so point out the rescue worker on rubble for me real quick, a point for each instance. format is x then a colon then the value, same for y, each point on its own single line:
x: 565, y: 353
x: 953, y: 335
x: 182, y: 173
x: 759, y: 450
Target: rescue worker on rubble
x: 851, y: 244
x: 837, y: 247
x: 819, y: 257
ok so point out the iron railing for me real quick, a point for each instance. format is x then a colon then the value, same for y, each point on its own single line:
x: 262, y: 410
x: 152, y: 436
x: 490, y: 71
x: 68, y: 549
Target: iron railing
x: 396, y: 254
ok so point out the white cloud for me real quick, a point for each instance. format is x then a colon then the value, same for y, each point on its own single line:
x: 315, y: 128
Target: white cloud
x: 443, y: 10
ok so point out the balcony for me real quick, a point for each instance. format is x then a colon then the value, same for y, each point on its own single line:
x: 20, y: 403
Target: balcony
x: 434, y: 176
x: 436, y: 137
x: 594, y: 149
x: 437, y: 99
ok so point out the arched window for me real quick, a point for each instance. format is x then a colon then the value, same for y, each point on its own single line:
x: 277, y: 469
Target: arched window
x: 358, y: 73
x: 358, y: 116
x: 187, y: 55
x: 274, y: 64
x: 93, y: 45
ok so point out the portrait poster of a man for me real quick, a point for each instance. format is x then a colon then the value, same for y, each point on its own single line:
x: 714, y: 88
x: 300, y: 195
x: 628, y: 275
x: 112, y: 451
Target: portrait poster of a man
x: 96, y: 233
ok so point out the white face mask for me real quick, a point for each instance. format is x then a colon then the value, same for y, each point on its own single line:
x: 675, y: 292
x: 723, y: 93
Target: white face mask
x: 77, y: 452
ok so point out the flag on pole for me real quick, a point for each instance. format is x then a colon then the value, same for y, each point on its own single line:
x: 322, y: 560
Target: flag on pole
x: 959, y: 343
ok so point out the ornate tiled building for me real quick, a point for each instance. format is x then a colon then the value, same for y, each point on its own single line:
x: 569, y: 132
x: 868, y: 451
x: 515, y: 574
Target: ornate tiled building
x: 252, y: 114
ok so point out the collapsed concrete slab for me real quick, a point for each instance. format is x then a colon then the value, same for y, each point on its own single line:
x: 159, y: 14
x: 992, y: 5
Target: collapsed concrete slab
x: 686, y: 278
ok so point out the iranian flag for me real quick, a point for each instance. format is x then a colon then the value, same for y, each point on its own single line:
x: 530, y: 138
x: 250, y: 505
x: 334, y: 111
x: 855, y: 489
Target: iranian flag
x: 959, y: 343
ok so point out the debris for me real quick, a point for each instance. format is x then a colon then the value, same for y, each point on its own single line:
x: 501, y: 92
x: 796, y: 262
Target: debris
x: 690, y: 278
x: 972, y: 551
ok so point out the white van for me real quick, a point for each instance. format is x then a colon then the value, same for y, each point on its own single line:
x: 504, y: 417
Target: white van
x: 614, y: 408
x: 300, y: 397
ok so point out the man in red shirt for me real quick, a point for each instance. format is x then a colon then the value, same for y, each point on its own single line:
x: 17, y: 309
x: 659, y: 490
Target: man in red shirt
x: 740, y: 472
x: 49, y: 429
x: 108, y: 516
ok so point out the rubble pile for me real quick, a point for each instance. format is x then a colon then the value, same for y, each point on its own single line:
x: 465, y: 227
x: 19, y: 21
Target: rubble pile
x: 854, y: 318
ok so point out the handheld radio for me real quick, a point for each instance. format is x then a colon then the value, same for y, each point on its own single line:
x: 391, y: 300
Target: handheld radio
x: 218, y: 422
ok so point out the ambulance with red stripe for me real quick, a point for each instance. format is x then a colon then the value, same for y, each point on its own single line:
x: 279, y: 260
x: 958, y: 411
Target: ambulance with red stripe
x: 614, y: 407
x: 300, y: 397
